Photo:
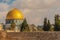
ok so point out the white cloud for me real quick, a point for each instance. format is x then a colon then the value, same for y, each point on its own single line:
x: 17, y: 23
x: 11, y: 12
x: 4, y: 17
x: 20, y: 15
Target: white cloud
x: 3, y: 7
x: 49, y: 2
x: 3, y: 16
x: 33, y: 4
x: 3, y: 11
x: 35, y: 10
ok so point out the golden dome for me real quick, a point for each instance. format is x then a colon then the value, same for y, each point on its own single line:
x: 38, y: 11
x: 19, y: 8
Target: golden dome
x: 15, y: 14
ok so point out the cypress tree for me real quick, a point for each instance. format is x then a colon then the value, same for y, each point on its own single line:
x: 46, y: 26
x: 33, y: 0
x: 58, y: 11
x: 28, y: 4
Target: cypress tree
x: 45, y: 24
x: 48, y: 25
x: 57, y: 23
x: 24, y: 26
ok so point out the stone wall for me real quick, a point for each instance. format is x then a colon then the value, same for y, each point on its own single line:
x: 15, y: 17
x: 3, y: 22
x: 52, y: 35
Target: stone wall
x: 3, y: 35
x: 32, y: 36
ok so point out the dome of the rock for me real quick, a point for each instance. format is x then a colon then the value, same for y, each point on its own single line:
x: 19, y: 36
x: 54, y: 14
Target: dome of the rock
x: 15, y: 14
x: 14, y: 20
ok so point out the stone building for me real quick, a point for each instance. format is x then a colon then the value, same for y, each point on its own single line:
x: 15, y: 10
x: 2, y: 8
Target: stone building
x: 1, y: 26
x: 33, y: 28
x: 14, y: 20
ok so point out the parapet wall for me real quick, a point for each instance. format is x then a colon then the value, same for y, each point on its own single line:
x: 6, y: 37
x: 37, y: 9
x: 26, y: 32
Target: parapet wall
x: 32, y: 36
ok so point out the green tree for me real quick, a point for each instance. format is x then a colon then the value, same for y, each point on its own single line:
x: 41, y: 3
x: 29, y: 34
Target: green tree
x: 57, y: 23
x: 12, y: 26
x: 24, y: 26
x: 45, y: 24
x: 48, y: 25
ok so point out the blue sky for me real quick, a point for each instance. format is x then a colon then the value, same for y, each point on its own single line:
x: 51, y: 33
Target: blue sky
x: 7, y: 1
x: 33, y: 10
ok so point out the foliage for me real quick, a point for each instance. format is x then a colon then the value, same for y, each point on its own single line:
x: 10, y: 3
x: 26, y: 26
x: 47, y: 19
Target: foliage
x: 47, y: 25
x: 57, y: 23
x: 12, y: 26
x: 24, y: 26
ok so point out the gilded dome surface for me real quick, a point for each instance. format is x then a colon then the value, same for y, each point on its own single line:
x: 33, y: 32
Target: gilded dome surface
x: 15, y: 14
